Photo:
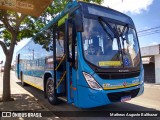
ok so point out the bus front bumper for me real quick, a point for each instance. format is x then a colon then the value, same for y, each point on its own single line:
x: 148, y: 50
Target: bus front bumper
x: 88, y: 98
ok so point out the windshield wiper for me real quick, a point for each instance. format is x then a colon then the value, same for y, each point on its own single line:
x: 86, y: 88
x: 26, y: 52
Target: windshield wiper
x: 121, y: 34
x: 100, y: 19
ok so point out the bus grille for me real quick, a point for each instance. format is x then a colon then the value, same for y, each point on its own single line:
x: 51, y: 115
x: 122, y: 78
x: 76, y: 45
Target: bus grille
x: 118, y: 75
x: 116, y: 97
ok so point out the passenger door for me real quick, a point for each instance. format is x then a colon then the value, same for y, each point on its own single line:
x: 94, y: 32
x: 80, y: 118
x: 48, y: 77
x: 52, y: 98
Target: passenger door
x: 64, y: 61
x: 70, y: 51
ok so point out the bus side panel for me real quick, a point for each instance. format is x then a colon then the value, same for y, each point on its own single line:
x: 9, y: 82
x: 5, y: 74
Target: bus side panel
x: 33, y: 64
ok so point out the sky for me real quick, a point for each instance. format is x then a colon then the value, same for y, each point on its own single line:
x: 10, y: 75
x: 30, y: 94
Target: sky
x: 145, y: 14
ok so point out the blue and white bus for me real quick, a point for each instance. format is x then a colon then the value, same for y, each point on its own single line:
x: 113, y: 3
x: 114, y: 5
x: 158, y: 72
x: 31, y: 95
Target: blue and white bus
x: 88, y: 55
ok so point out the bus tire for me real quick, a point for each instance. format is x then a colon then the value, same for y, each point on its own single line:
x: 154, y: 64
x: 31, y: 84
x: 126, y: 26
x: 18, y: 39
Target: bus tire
x: 21, y: 78
x: 51, y: 96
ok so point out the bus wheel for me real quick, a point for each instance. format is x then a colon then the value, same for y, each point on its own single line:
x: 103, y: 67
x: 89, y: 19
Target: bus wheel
x: 22, y: 82
x: 51, y: 96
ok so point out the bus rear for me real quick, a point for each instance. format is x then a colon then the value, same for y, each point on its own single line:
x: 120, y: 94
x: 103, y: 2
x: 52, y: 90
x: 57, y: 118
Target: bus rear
x: 109, y: 61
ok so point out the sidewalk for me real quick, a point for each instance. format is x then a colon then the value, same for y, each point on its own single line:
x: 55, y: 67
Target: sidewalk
x: 152, y: 85
x: 23, y: 101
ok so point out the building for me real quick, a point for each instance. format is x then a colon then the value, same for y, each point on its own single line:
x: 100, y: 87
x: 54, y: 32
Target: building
x: 151, y: 63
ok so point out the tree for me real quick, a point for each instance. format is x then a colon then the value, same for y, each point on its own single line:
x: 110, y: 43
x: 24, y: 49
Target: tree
x: 13, y: 27
x: 16, y: 26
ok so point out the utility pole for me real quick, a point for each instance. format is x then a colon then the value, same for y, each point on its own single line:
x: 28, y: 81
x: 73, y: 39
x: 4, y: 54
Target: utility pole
x: 33, y: 53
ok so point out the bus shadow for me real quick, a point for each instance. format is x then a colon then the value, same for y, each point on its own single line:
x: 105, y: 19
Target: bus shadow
x: 74, y: 113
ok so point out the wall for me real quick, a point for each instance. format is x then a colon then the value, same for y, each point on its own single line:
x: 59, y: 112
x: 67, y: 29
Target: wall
x: 157, y: 68
x: 150, y: 50
x: 149, y: 73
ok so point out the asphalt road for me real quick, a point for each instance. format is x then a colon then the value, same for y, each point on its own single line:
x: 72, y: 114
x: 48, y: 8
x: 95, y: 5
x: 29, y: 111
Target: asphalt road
x: 149, y: 101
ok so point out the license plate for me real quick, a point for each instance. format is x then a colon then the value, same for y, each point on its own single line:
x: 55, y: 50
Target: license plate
x: 125, y: 98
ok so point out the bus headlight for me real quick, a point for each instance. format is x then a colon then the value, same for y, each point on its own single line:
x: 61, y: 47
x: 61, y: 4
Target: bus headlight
x: 91, y: 81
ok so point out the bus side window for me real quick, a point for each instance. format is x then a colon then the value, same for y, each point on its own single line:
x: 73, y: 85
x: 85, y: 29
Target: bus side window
x: 60, y: 43
x: 70, y: 40
x: 73, y: 45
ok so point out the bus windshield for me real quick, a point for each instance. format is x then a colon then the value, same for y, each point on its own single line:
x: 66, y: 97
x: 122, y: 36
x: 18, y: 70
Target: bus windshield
x: 110, y: 45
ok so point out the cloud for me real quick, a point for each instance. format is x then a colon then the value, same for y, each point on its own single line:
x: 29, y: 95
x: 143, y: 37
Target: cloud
x: 132, y: 6
x: 154, y: 43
